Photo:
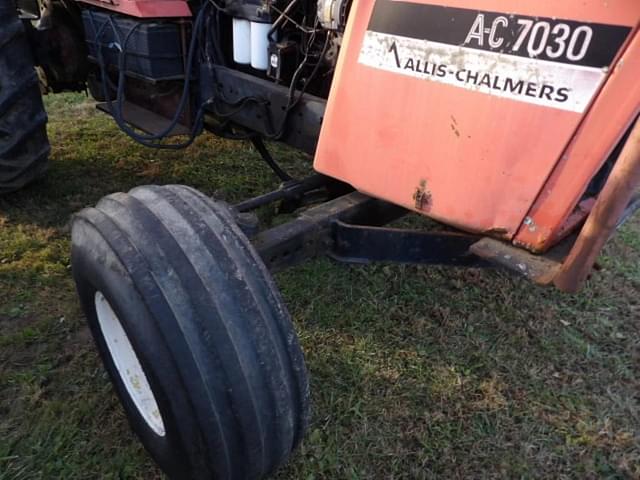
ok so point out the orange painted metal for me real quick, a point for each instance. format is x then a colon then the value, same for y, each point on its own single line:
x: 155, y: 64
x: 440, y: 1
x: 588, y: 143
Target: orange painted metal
x: 623, y: 183
x: 145, y: 8
x: 611, y: 114
x: 467, y: 158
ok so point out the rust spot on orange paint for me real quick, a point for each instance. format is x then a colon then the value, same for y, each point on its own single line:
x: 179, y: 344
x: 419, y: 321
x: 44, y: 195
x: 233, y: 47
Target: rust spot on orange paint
x: 422, y: 196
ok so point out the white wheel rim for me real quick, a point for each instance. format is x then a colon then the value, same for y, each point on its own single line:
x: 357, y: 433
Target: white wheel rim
x: 128, y: 366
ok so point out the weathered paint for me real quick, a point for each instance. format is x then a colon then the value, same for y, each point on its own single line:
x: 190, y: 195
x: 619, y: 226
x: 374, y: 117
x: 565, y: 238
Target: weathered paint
x: 616, y: 195
x: 145, y: 8
x: 486, y: 158
x: 535, y: 268
x: 611, y: 114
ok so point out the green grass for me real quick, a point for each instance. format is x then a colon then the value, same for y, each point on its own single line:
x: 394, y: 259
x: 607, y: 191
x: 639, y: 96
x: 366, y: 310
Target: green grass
x: 417, y: 372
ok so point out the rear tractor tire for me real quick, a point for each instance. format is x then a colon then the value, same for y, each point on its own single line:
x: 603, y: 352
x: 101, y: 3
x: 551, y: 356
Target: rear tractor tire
x: 192, y: 331
x: 24, y: 146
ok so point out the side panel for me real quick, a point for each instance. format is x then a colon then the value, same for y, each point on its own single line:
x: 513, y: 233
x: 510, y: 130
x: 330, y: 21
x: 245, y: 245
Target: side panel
x: 435, y: 114
x: 614, y: 110
x: 145, y: 8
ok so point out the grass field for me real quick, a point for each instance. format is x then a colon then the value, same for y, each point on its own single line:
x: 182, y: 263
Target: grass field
x: 416, y: 372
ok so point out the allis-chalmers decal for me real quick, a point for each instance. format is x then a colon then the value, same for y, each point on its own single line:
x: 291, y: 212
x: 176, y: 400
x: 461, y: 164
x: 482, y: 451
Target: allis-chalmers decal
x: 551, y: 62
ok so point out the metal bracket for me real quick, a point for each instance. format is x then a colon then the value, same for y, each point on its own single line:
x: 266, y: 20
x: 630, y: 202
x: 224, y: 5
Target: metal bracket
x: 366, y: 244
x: 311, y: 234
x: 537, y: 268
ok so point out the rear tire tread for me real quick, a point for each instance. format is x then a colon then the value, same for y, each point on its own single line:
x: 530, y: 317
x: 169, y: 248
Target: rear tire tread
x: 24, y: 146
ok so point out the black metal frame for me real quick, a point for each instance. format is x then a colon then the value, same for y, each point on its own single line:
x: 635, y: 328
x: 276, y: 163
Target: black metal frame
x: 350, y: 229
x: 265, y: 117
x: 367, y: 244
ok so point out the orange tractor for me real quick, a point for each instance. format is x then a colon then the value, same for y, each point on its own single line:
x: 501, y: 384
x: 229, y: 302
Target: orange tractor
x: 514, y: 126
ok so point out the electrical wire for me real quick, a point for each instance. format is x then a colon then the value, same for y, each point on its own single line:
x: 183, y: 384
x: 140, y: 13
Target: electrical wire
x: 149, y: 140
x: 292, y: 103
x: 284, y: 14
x: 214, y: 103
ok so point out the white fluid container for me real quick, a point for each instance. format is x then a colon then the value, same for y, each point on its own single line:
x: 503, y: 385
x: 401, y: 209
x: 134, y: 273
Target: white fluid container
x: 242, y: 41
x: 260, y: 45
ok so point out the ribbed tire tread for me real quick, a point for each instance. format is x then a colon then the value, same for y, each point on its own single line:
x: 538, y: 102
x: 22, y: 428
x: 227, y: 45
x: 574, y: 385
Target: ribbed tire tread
x: 227, y: 330
x: 24, y: 146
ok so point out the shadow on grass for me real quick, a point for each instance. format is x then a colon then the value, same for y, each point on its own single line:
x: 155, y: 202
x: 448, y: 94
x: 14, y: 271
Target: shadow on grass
x: 464, y: 371
x: 91, y: 158
x: 416, y: 372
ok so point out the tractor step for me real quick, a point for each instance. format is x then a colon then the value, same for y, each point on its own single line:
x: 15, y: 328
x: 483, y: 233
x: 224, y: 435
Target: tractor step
x: 146, y: 120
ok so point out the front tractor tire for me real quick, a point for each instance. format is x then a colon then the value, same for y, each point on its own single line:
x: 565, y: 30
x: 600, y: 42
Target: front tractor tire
x: 24, y: 147
x: 192, y: 331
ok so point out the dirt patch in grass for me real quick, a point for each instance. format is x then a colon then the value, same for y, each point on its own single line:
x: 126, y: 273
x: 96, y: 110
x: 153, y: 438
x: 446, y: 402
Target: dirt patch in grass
x: 416, y: 372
